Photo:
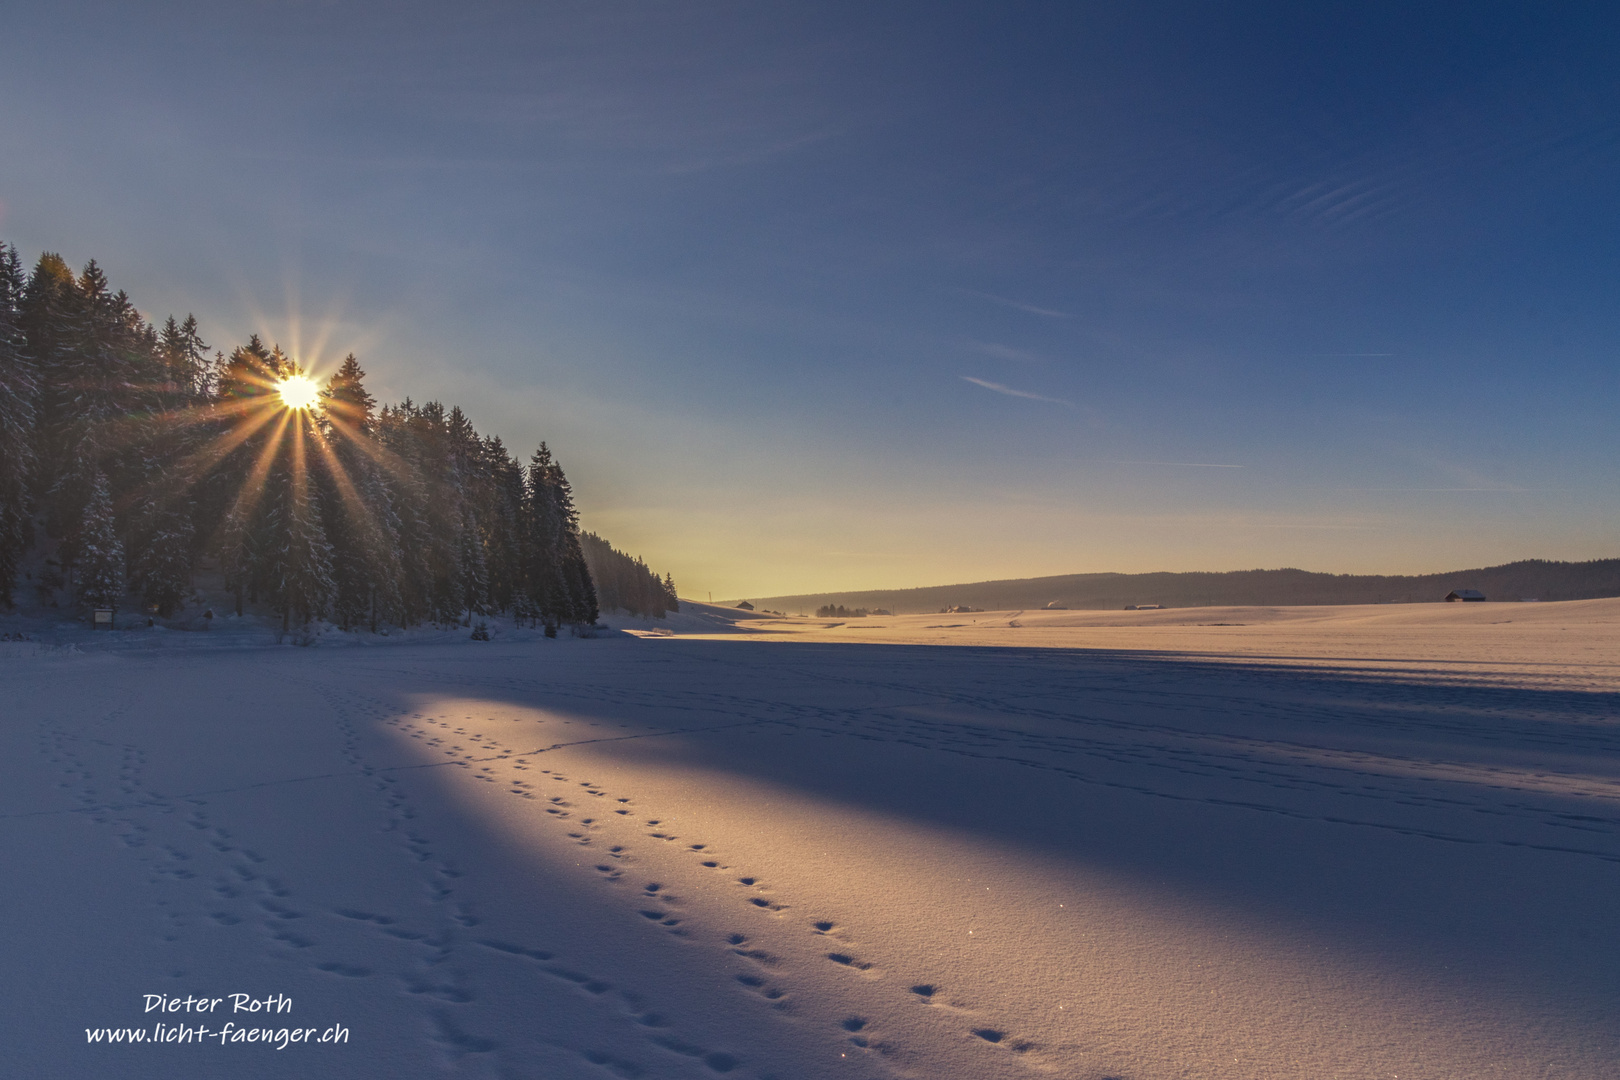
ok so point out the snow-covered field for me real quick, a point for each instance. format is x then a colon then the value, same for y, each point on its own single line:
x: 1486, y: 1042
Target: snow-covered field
x: 1325, y: 843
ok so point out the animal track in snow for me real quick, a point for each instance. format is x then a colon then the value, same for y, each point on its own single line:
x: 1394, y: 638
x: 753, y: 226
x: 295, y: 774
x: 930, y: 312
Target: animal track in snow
x: 363, y: 916
x: 346, y: 970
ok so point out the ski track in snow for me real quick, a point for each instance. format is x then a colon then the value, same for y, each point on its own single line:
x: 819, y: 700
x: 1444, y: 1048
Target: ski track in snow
x: 1337, y: 752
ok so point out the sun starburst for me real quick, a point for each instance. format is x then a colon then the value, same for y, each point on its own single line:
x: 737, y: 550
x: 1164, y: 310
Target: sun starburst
x: 298, y: 392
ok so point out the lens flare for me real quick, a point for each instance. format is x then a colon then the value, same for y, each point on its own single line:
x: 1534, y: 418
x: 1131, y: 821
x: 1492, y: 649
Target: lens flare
x: 298, y: 392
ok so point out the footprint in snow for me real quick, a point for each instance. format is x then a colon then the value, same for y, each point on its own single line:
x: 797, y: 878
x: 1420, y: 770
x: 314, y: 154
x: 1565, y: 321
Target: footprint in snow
x: 458, y: 1042
x: 846, y: 960
x: 346, y: 970
x: 516, y: 950
x: 363, y: 916
x: 629, y: 1070
x: 717, y: 1060
x: 997, y: 1036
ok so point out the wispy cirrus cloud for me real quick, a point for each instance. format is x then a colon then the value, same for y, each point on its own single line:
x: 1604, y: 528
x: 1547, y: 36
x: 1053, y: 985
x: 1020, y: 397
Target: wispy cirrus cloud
x: 1018, y: 305
x: 1182, y: 464
x: 1010, y: 392
x: 1005, y: 352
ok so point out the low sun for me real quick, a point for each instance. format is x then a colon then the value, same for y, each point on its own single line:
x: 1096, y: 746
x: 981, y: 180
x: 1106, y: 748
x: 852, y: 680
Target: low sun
x: 298, y: 392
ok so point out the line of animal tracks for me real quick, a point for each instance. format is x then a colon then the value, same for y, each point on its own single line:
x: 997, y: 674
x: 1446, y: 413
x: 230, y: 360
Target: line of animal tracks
x: 679, y: 858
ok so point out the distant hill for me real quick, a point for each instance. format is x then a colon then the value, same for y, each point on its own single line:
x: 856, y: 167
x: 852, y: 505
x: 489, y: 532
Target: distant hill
x: 1530, y: 579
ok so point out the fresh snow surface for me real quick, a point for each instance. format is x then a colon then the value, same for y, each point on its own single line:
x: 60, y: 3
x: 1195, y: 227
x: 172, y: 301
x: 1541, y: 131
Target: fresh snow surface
x: 1324, y: 843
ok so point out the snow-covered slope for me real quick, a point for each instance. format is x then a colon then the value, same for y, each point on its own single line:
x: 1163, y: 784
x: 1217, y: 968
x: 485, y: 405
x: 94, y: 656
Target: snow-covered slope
x: 786, y: 855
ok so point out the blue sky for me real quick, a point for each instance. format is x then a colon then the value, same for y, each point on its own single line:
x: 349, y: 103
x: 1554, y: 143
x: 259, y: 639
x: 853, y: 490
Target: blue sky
x: 819, y: 296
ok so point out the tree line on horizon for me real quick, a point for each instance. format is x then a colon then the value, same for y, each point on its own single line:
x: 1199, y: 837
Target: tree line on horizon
x: 1539, y: 579
x: 129, y: 454
x: 839, y: 611
x: 625, y: 582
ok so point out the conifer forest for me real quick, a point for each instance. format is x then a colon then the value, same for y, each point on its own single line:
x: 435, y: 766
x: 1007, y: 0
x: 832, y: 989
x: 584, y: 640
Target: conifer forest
x: 625, y: 582
x: 132, y: 458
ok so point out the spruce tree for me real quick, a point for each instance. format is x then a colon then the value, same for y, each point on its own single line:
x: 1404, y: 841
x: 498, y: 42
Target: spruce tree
x: 472, y: 570
x: 508, y: 531
x: 168, y: 449
x: 407, y: 493
x: 238, y: 553
x: 356, y: 506
x: 100, y: 554
x: 17, y: 399
x: 55, y: 325
x: 298, y: 559
x: 559, y: 582
x: 249, y: 429
x: 189, y: 376
x: 162, y: 562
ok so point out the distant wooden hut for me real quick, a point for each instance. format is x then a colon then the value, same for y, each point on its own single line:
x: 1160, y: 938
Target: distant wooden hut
x: 746, y: 606
x: 1471, y: 596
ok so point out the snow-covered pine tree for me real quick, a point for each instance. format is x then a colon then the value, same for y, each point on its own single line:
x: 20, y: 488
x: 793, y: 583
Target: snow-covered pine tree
x: 408, y: 495
x: 232, y: 497
x: 17, y: 397
x: 465, y: 451
x: 238, y: 553
x: 248, y: 374
x: 298, y: 557
x: 95, y: 361
x: 559, y: 581
x: 387, y: 570
x: 431, y: 511
x: 169, y: 451
x: 54, y: 322
x: 472, y: 572
x: 163, y: 549
x: 503, y: 524
x: 100, y: 554
x: 542, y: 580
x: 189, y: 373
x: 582, y: 606
x: 103, y: 395
x: 356, y: 506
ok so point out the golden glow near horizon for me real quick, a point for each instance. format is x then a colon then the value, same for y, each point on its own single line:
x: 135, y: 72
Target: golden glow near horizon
x: 298, y: 392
